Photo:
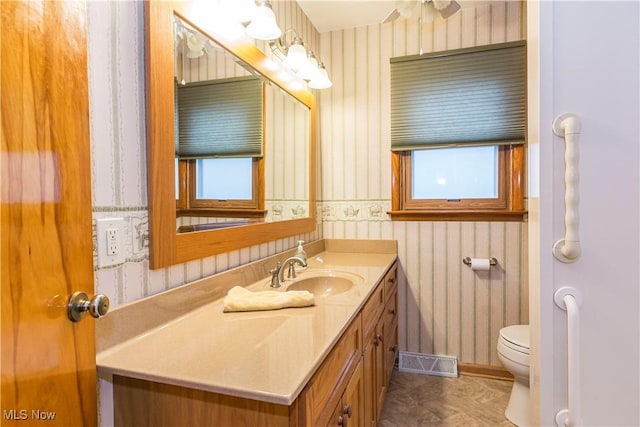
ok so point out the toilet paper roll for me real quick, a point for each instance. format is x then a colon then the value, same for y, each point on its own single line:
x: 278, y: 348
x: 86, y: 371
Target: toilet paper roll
x: 480, y: 264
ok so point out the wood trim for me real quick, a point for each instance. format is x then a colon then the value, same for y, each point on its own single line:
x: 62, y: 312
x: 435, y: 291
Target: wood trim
x: 250, y: 214
x: 499, y: 202
x: 396, y: 162
x: 509, y: 206
x: 190, y: 246
x: 463, y: 215
x: 167, y: 247
x: 484, y: 371
x: 517, y: 165
x: 160, y: 132
x: 184, y: 184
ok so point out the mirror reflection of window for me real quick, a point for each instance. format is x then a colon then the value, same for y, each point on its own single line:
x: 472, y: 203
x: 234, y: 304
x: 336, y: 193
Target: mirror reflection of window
x: 224, y: 179
x: 241, y: 143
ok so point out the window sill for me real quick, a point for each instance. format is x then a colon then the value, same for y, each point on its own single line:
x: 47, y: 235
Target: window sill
x: 461, y: 215
x: 229, y: 213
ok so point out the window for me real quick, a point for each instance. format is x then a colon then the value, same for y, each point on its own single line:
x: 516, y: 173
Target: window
x: 458, y: 126
x: 227, y: 187
x: 219, y: 147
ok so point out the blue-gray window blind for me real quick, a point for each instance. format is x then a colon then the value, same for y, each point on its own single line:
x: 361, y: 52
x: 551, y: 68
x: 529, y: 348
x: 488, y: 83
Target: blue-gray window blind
x: 220, y: 118
x: 463, y: 97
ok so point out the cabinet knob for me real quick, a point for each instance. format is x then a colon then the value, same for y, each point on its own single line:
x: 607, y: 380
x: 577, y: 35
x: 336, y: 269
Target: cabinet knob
x: 393, y: 348
x: 392, y: 279
x: 342, y: 421
x: 347, y: 411
x: 392, y: 311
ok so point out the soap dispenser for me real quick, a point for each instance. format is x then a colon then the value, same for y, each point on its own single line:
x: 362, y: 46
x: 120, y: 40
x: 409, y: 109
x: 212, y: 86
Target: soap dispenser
x: 301, y: 253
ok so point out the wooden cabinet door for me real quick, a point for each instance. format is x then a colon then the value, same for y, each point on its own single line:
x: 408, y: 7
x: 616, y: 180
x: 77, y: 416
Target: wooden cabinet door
x: 381, y: 385
x: 353, y: 400
x: 369, y: 382
x: 48, y: 362
x: 350, y: 409
x: 390, y: 319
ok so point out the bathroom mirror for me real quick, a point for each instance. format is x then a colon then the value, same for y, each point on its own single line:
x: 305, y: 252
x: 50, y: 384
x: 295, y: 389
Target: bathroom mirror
x: 241, y: 141
x: 286, y: 169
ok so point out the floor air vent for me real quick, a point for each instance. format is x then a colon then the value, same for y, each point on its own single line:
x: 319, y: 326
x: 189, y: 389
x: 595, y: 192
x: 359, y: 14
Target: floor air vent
x: 428, y: 364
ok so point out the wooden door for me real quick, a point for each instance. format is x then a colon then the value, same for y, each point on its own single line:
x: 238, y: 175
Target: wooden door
x: 48, y: 362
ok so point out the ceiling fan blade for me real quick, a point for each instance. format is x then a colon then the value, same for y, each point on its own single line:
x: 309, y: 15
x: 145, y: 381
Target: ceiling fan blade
x: 392, y: 16
x: 450, y: 10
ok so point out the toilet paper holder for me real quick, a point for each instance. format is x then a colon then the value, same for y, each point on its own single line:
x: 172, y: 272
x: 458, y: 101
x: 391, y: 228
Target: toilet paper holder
x: 467, y: 261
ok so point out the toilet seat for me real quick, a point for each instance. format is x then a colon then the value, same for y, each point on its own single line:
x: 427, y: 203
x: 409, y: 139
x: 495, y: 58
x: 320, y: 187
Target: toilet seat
x: 516, y: 338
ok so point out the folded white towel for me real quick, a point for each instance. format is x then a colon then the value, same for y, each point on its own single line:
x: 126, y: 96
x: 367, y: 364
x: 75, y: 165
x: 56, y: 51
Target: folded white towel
x: 242, y: 299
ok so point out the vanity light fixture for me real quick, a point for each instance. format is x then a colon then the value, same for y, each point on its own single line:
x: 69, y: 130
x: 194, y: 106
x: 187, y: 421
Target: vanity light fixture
x: 241, y: 10
x: 303, y: 63
x: 296, y: 55
x: 263, y: 24
x: 321, y: 80
x: 310, y: 68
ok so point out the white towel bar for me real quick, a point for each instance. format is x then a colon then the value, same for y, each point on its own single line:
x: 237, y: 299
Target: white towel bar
x: 570, y: 299
x: 568, y: 126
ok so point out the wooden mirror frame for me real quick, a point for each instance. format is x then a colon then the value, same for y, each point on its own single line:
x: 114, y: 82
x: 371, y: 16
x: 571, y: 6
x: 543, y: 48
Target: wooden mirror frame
x: 166, y: 246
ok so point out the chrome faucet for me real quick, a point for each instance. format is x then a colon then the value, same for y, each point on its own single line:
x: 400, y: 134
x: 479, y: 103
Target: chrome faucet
x: 292, y: 271
x: 277, y: 274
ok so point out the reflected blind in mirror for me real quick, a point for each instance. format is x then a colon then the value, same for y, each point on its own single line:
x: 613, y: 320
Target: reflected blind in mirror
x: 220, y: 118
x: 463, y: 97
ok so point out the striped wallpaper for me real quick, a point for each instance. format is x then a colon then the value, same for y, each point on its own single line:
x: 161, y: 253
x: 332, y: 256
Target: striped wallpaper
x: 119, y: 173
x: 445, y: 308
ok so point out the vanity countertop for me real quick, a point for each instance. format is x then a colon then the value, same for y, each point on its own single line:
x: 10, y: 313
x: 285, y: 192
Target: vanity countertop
x: 261, y: 355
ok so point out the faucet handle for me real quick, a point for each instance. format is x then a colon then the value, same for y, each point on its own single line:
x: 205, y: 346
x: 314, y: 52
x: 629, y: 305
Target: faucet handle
x: 291, y: 274
x: 275, y: 270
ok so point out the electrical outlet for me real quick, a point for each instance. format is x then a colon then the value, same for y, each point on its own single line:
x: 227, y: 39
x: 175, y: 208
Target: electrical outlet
x: 113, y: 248
x: 110, y: 241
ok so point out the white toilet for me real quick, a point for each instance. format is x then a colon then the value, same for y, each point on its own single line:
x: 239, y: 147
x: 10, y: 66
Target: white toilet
x: 513, y: 352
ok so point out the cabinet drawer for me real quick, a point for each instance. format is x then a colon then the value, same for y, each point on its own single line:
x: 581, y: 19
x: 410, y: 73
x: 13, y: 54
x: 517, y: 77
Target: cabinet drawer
x: 391, y: 281
x: 323, y: 392
x: 372, y: 310
x: 390, y: 314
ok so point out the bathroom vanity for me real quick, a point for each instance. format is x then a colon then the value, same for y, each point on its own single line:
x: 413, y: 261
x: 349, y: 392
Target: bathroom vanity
x: 178, y: 360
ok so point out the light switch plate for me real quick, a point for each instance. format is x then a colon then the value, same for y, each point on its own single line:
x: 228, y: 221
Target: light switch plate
x: 110, y: 244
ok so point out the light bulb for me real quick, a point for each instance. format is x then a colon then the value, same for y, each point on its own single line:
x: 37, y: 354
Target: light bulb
x: 321, y: 81
x: 309, y: 71
x: 263, y: 24
x: 296, y: 55
x: 429, y: 12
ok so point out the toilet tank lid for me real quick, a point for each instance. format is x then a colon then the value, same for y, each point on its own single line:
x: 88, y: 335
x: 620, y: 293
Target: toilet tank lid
x: 516, y: 334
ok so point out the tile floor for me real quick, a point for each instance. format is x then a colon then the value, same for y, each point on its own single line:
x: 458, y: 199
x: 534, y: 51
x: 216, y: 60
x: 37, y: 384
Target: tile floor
x: 427, y: 400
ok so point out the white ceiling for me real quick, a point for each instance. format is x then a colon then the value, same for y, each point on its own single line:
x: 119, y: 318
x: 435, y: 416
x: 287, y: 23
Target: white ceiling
x: 329, y: 15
